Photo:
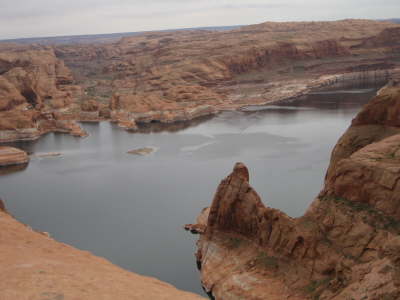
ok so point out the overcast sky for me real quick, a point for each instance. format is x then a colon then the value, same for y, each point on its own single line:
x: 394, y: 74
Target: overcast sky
x: 33, y: 18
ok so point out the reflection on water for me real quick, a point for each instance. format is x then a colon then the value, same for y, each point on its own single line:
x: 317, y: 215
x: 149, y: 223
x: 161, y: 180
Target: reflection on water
x: 155, y: 127
x: 341, y: 99
x: 130, y: 209
x: 12, y: 169
x: 355, y: 91
x: 321, y: 100
x: 356, y: 84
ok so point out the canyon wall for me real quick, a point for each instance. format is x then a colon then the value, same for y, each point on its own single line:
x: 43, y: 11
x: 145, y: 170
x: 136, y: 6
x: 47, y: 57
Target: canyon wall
x: 164, y: 76
x: 346, y: 246
x: 35, y: 87
x: 175, y: 76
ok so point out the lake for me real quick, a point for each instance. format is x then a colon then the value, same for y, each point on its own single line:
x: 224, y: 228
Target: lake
x: 131, y: 209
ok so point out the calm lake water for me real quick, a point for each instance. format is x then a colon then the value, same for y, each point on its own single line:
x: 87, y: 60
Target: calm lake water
x: 130, y: 209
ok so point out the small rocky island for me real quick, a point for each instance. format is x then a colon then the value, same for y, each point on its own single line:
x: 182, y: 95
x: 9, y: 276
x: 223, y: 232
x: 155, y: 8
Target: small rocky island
x: 143, y: 151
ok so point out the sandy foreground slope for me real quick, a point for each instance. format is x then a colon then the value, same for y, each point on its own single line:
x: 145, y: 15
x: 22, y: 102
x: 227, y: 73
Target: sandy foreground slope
x: 36, y: 267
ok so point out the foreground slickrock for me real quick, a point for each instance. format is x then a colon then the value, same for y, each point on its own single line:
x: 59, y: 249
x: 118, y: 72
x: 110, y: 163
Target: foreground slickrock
x: 346, y: 246
x: 36, y: 267
x: 12, y: 156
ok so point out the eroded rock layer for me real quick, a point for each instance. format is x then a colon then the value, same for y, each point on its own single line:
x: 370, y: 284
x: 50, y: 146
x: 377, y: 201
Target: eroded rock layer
x: 346, y: 246
x: 10, y: 156
x: 36, y: 90
x: 176, y: 76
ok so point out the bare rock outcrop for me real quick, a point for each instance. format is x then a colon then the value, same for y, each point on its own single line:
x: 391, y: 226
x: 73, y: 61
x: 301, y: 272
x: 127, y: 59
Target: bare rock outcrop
x: 10, y: 156
x: 389, y: 36
x: 168, y: 77
x: 34, y: 84
x: 177, y: 76
x: 346, y: 246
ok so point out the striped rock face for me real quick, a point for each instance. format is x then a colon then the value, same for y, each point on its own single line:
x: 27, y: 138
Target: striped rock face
x: 12, y: 156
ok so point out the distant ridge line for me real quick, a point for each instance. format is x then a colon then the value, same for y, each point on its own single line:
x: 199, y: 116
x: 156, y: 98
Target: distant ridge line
x: 102, y: 38
x: 113, y: 37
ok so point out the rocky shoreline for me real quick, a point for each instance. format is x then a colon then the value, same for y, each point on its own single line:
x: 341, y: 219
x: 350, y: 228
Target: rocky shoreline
x: 279, y: 93
x: 346, y: 246
x: 10, y: 156
x: 135, y: 121
x: 163, y: 78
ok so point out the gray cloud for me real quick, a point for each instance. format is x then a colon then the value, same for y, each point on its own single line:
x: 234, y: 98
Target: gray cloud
x: 27, y: 18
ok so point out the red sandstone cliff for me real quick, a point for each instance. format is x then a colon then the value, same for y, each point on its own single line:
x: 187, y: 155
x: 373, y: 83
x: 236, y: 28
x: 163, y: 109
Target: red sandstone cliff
x: 176, y: 76
x: 35, y: 86
x: 347, y: 244
x: 173, y: 76
x: 10, y: 156
x: 388, y: 37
